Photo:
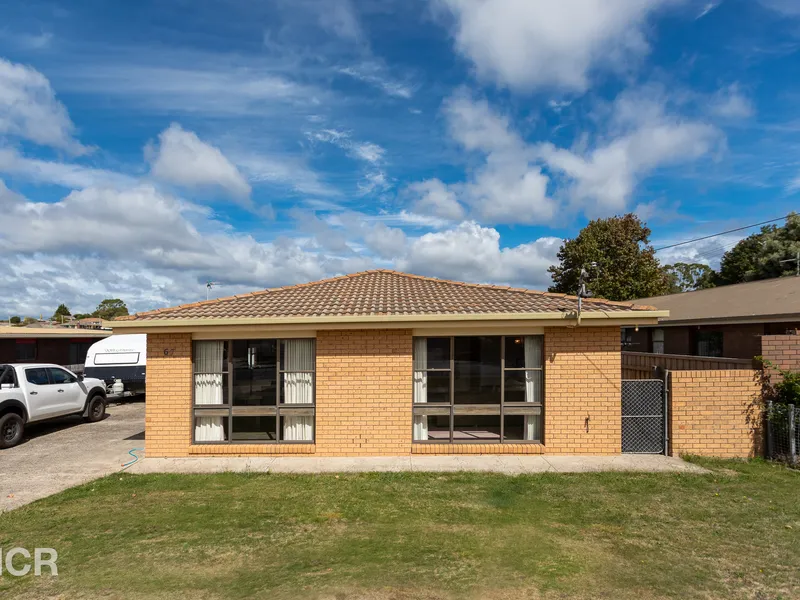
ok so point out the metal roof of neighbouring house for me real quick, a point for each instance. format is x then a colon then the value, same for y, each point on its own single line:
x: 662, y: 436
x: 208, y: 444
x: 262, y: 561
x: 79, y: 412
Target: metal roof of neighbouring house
x: 381, y: 293
x: 753, y: 301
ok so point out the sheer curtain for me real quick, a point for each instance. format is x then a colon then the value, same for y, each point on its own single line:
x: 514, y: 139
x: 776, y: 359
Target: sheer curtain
x: 533, y: 385
x: 298, y: 388
x: 420, y: 386
x: 208, y: 358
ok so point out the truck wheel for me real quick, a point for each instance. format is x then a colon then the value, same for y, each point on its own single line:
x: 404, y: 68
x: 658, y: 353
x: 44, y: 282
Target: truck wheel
x: 11, y: 429
x: 97, y: 409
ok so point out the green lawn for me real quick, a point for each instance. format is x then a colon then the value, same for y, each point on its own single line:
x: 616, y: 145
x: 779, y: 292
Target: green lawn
x: 732, y: 534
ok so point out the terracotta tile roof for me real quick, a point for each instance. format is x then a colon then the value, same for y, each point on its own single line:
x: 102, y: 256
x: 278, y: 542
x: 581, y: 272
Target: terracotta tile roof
x: 381, y: 292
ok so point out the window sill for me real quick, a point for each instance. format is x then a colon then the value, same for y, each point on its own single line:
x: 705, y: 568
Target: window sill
x: 245, y: 449
x: 519, y: 447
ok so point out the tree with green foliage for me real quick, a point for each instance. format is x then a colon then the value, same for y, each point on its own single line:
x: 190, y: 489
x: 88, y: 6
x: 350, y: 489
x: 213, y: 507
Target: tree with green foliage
x: 626, y: 266
x: 61, y: 311
x: 759, y: 255
x: 687, y: 277
x: 79, y: 316
x: 15, y: 320
x: 110, y: 308
x: 28, y: 321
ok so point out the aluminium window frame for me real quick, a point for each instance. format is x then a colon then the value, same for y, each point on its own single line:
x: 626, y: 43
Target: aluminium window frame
x: 529, y: 408
x: 229, y: 411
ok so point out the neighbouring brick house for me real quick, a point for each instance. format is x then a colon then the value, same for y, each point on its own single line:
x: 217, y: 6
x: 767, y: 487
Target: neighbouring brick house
x: 728, y: 321
x: 385, y: 363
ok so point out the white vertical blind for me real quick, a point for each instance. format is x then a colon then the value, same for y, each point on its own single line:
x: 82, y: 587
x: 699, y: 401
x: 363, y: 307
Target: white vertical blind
x: 420, y: 386
x: 298, y: 388
x: 208, y: 365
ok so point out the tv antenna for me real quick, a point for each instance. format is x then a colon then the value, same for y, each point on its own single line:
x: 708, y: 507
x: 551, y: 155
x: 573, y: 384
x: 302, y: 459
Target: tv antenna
x: 582, y: 291
x: 210, y: 285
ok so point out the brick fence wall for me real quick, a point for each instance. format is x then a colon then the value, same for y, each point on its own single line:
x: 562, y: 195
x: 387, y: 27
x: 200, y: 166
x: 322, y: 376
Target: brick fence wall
x: 715, y: 413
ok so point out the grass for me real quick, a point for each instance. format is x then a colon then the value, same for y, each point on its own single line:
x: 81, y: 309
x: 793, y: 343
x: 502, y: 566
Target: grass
x: 734, y: 533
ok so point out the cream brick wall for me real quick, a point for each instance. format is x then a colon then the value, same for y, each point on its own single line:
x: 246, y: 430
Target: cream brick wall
x: 715, y: 413
x: 364, y: 397
x: 168, y: 408
x: 364, y: 389
x: 582, y: 390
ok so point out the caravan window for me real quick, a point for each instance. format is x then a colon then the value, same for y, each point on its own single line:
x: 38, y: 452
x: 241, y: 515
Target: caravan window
x: 120, y: 358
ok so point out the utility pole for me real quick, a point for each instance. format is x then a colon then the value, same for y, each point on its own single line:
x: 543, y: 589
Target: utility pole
x: 796, y: 261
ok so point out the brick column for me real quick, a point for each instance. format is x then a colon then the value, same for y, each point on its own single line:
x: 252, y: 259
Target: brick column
x: 364, y: 392
x: 168, y: 408
x: 583, y: 413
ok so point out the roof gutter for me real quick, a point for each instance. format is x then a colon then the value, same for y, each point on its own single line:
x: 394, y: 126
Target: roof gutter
x: 596, y: 318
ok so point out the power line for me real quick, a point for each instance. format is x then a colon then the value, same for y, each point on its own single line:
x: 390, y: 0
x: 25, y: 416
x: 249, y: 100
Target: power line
x: 707, y: 237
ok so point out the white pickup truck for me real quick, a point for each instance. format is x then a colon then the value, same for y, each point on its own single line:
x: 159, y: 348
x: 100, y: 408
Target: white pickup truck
x: 30, y: 393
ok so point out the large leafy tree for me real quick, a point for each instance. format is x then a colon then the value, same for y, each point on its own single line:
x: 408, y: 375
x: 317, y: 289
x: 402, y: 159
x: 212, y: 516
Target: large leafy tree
x: 759, y: 255
x: 111, y: 308
x: 626, y: 266
x: 686, y: 277
x: 61, y: 311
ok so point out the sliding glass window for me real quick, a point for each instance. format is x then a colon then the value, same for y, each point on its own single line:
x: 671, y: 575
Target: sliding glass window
x: 478, y: 389
x: 254, y: 391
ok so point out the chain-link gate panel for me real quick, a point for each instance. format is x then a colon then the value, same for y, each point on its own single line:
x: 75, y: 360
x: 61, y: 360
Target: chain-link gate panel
x: 643, y: 416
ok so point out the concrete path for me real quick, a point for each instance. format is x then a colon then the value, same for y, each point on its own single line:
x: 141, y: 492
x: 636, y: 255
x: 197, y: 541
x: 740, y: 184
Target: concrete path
x: 66, y: 452
x: 508, y: 464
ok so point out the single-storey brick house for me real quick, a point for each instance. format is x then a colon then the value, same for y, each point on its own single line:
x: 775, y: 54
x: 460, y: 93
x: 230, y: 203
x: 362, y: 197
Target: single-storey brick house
x: 385, y: 363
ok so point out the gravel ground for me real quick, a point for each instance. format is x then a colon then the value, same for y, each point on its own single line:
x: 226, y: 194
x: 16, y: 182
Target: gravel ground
x: 65, y: 452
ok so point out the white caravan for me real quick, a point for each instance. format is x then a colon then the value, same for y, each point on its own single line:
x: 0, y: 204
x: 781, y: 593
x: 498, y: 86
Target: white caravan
x: 120, y: 361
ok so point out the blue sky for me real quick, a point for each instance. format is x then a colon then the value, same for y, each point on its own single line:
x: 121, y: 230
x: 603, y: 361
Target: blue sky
x: 148, y: 147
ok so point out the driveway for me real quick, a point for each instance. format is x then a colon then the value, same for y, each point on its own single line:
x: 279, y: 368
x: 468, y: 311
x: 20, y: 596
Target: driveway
x: 66, y: 452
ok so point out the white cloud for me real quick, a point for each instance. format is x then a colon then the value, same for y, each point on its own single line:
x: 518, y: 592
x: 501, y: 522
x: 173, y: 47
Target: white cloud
x: 707, y: 9
x: 281, y: 169
x: 369, y: 152
x: 373, y: 182
x: 730, y: 103
x: 525, y: 44
x: 147, y: 247
x: 434, y: 198
x: 508, y: 187
x: 375, y: 74
x: 184, y: 159
x: 374, y: 179
x: 70, y: 175
x: 386, y: 242
x: 29, y: 109
x: 220, y: 88
x: 470, y: 252
x: 601, y: 180
x: 786, y: 7
x: 339, y: 17
x: 706, y: 252
x: 153, y: 249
